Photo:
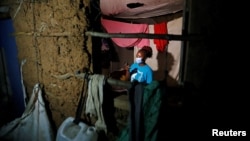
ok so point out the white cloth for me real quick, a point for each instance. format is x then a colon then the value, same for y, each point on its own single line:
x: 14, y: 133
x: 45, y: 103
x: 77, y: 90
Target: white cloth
x: 95, y: 100
x: 33, y: 125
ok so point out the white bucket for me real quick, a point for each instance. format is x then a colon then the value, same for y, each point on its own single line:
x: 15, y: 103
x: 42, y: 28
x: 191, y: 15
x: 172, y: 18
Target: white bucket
x: 69, y: 131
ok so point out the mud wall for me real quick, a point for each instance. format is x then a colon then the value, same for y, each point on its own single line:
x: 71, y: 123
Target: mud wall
x: 49, y: 35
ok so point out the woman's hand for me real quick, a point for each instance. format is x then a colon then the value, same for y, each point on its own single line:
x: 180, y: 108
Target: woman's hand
x: 126, y: 67
x: 126, y: 77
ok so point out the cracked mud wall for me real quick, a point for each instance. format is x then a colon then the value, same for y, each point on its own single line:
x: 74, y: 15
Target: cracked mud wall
x: 49, y: 35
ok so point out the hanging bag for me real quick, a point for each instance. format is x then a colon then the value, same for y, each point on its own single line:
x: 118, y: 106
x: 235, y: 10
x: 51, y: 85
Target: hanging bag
x: 33, y: 125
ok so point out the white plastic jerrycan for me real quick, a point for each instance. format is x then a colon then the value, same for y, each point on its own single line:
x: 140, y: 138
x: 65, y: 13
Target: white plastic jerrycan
x: 69, y: 131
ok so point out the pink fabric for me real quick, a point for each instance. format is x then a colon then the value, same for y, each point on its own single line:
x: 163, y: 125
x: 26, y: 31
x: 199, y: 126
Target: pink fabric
x: 122, y: 27
x: 148, y: 8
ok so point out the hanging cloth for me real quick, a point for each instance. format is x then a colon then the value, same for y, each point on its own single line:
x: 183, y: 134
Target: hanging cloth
x: 33, y: 125
x: 122, y: 27
x: 95, y: 100
x: 136, y: 125
x: 151, y: 103
x: 161, y: 28
x: 139, y: 9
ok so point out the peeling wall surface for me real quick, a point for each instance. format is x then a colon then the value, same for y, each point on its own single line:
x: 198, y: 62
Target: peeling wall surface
x: 49, y: 36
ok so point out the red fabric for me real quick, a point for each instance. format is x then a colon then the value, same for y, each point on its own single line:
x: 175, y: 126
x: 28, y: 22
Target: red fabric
x: 161, y: 28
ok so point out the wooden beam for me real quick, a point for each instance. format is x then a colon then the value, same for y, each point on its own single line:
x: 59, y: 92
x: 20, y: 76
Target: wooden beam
x: 143, y: 35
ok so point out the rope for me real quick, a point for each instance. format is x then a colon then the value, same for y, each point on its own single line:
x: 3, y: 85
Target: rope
x: 19, y: 7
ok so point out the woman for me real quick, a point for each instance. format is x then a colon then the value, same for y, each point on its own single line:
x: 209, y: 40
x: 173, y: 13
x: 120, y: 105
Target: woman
x: 139, y: 70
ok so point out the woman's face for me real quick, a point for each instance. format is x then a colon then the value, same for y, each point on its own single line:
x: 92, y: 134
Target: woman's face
x: 140, y: 54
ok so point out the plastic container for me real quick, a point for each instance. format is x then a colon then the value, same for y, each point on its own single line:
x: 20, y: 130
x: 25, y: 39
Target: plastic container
x: 69, y: 131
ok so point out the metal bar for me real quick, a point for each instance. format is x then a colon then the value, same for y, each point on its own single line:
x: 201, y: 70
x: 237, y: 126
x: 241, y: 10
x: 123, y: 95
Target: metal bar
x: 144, y: 35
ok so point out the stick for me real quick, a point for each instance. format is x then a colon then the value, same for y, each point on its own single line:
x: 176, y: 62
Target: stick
x: 142, y: 35
x: 114, y: 82
x: 45, y: 35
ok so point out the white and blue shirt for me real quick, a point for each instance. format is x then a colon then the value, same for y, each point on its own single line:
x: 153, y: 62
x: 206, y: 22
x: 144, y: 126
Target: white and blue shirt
x: 143, y: 74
